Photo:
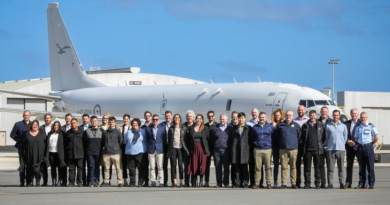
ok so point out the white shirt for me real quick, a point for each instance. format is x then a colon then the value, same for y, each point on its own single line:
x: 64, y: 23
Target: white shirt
x: 53, y: 142
x: 68, y: 128
x: 125, y: 129
x: 301, y: 121
x: 47, y: 129
x: 353, y: 123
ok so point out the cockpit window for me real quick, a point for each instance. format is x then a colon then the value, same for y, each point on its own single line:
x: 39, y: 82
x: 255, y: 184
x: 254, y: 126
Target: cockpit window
x: 302, y: 102
x: 331, y: 102
x: 321, y: 102
x: 310, y: 103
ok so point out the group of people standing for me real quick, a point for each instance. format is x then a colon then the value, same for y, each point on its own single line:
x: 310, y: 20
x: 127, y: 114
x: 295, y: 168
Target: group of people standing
x: 242, y: 150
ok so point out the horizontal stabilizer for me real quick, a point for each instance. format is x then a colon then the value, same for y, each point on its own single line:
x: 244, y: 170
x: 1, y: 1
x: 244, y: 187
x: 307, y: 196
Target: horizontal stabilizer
x: 40, y: 96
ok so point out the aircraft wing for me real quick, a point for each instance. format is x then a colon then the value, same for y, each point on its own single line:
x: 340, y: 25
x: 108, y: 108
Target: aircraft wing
x: 40, y: 96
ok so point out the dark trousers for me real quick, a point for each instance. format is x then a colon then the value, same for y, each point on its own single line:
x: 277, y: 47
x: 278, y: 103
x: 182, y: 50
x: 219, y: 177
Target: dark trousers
x: 351, y: 154
x: 241, y: 174
x: 33, y: 171
x: 176, y: 159
x: 276, y: 160
x: 322, y: 162
x: 56, y: 170
x: 124, y: 164
x: 93, y: 167
x: 366, y: 163
x: 186, y: 159
x: 73, y: 165
x: 232, y: 174
x: 165, y: 168
x: 44, y: 173
x: 207, y: 171
x: 307, y: 159
x: 140, y: 162
x: 22, y: 167
x: 252, y: 170
x: 299, y: 165
x: 222, y: 160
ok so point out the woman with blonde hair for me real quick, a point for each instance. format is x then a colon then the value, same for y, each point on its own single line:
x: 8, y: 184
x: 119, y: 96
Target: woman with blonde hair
x: 277, y: 116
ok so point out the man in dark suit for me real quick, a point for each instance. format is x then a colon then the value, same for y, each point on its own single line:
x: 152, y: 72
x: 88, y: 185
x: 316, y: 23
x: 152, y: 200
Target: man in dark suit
x: 211, y: 124
x: 83, y: 127
x: 46, y: 128
x: 156, y: 138
x: 325, y: 119
x: 65, y: 128
x: 351, y: 146
x: 17, y: 134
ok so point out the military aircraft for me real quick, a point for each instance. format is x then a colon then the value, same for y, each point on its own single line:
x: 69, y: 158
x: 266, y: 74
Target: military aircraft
x: 77, y: 93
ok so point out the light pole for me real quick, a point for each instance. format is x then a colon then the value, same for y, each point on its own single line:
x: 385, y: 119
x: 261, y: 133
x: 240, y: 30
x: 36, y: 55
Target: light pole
x: 333, y: 61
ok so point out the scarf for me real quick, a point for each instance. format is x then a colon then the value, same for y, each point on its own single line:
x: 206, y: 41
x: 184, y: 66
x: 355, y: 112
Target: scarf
x: 136, y: 136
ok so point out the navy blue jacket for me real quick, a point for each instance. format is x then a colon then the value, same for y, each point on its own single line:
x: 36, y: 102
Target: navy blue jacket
x: 158, y: 143
x: 219, y: 138
x: 262, y: 136
x: 17, y: 133
x: 288, y: 135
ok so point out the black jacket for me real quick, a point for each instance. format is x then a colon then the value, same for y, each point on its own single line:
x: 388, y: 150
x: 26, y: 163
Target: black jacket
x: 320, y: 134
x: 74, y: 148
x: 241, y: 146
x: 112, y: 141
x: 190, y: 143
x: 210, y: 127
x: 60, y: 148
x: 351, y: 135
x: 171, y: 133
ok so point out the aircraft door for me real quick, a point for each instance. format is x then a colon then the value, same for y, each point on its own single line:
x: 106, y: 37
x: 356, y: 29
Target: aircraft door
x: 279, y: 101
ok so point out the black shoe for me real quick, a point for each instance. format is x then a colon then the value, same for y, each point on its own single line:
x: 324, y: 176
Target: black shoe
x: 90, y: 184
x: 360, y: 187
x: 329, y: 187
x: 165, y: 184
x: 71, y: 184
x: 298, y: 186
x: 44, y: 184
x: 294, y: 187
x: 342, y: 186
x: 347, y: 185
x: 153, y: 184
x: 206, y: 184
x: 283, y: 187
x: 318, y: 186
x: 80, y: 184
x: 54, y: 183
x: 234, y: 186
x: 120, y: 185
x: 187, y: 185
x: 146, y: 184
x: 262, y: 186
x: 132, y: 185
x: 371, y: 187
x: 21, y: 185
x: 307, y: 187
x: 29, y: 185
x: 323, y: 186
x: 174, y: 185
x: 161, y: 185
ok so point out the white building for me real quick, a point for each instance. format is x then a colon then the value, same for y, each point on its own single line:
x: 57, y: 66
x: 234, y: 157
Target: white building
x: 377, y: 106
x: 115, y: 77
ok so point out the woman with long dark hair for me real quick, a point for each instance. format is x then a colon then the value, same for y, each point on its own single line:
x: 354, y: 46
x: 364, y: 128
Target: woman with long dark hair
x: 177, y: 148
x: 55, y: 153
x: 197, y: 143
x: 34, y: 152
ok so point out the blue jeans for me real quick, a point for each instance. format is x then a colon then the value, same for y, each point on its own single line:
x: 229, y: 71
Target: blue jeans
x: 93, y: 167
x: 221, y: 159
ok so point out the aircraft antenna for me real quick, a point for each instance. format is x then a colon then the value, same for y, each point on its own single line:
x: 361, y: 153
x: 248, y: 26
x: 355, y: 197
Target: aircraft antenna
x: 258, y: 79
x: 211, y: 81
x: 235, y: 81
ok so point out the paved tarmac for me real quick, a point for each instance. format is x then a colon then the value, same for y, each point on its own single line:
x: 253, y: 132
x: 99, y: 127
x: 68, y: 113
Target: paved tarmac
x: 10, y: 193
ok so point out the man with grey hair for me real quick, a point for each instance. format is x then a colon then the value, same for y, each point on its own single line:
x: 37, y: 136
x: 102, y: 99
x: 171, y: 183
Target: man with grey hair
x: 255, y: 117
x: 17, y: 135
x: 351, y: 146
x: 219, y: 135
x: 234, y: 117
x: 366, y: 135
x: 190, y: 116
x: 252, y: 122
x: 288, y: 133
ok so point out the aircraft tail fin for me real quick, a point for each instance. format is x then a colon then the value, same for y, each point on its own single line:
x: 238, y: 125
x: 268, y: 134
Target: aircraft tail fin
x: 66, y: 72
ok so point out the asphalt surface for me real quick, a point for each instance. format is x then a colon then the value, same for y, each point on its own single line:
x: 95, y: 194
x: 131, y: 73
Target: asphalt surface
x: 10, y: 193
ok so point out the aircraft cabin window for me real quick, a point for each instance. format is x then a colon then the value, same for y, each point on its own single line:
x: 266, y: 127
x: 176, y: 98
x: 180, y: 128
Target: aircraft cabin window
x: 310, y: 103
x: 228, y: 105
x: 321, y: 102
x: 302, y: 102
x: 271, y: 94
